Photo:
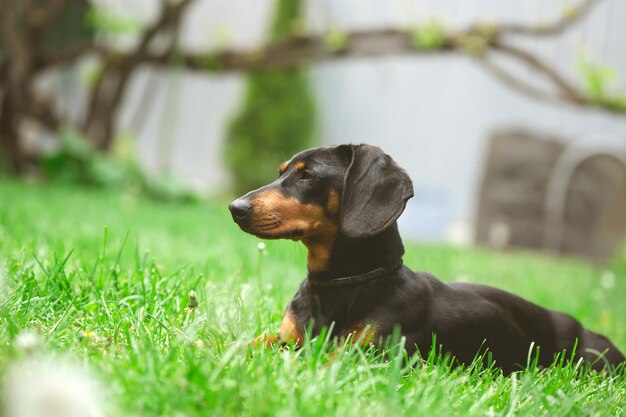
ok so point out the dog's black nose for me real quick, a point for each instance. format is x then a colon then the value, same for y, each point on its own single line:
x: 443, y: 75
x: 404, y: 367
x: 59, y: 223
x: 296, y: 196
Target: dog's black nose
x: 240, y: 209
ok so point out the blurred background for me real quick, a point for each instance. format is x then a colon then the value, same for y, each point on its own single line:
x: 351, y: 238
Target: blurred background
x: 510, y: 116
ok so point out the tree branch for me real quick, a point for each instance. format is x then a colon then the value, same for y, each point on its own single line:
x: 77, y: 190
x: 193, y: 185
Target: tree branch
x: 305, y: 50
x: 521, y: 86
x: 478, y: 41
x: 69, y: 54
x: 569, y: 19
x: 171, y: 14
x: 566, y: 89
x: 43, y: 110
x: 41, y: 21
x: 117, y: 69
x: 10, y: 33
x: 302, y: 50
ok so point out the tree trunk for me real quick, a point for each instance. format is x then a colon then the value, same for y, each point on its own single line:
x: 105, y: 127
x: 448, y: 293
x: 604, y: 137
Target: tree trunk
x: 104, y: 104
x: 10, y: 151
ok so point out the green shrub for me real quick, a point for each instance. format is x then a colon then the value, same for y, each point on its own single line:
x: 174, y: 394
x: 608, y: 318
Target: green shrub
x: 277, y: 117
x: 76, y: 162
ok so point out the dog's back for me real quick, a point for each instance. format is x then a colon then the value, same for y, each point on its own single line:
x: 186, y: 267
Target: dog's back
x: 524, y: 324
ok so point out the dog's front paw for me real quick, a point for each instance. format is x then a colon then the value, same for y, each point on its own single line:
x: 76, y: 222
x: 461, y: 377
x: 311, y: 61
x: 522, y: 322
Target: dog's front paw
x: 265, y: 340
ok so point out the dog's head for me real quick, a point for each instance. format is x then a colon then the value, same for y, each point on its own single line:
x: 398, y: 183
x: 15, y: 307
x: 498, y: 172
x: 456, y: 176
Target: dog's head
x: 356, y: 191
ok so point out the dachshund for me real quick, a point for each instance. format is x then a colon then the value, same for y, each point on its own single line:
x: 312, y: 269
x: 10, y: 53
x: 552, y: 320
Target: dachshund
x: 342, y: 203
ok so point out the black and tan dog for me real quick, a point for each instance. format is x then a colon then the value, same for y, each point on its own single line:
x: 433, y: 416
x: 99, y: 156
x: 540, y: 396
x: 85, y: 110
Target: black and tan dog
x: 342, y: 203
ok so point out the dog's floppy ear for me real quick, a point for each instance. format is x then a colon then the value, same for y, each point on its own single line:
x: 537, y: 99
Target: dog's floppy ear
x: 375, y: 192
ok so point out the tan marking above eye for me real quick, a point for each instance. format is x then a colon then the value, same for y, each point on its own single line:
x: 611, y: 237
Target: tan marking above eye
x: 283, y: 167
x: 299, y: 166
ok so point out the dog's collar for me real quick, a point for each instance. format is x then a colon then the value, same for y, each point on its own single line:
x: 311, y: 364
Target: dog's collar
x: 356, y: 279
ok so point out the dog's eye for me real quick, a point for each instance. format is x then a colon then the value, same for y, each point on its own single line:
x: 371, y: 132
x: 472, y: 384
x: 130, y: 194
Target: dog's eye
x: 306, y: 175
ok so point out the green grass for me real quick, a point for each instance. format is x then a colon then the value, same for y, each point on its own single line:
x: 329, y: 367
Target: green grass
x: 104, y: 279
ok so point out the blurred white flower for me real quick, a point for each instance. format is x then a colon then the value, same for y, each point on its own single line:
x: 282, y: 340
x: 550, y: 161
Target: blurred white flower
x: 193, y: 300
x: 607, y: 280
x: 261, y: 246
x: 28, y: 341
x: 463, y: 278
x: 50, y: 388
x: 460, y: 233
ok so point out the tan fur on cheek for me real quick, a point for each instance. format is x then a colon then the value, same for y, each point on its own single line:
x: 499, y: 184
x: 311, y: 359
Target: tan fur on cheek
x: 288, y: 213
x: 277, y: 215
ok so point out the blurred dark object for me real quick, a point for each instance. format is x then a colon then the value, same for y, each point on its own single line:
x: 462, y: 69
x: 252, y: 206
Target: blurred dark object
x: 517, y: 208
x: 71, y: 26
x: 38, y: 37
x: 29, y: 31
x: 277, y: 118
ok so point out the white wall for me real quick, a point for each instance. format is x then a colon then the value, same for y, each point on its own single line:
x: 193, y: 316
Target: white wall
x: 432, y: 114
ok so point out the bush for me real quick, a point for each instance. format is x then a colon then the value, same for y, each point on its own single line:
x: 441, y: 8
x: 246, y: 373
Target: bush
x: 277, y: 117
x: 77, y: 162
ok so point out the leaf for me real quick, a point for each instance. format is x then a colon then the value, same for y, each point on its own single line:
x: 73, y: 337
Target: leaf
x: 108, y: 22
x: 429, y: 37
x: 596, y: 78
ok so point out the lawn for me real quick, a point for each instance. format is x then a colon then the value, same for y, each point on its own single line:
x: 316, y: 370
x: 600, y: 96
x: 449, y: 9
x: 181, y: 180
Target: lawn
x: 103, y: 278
